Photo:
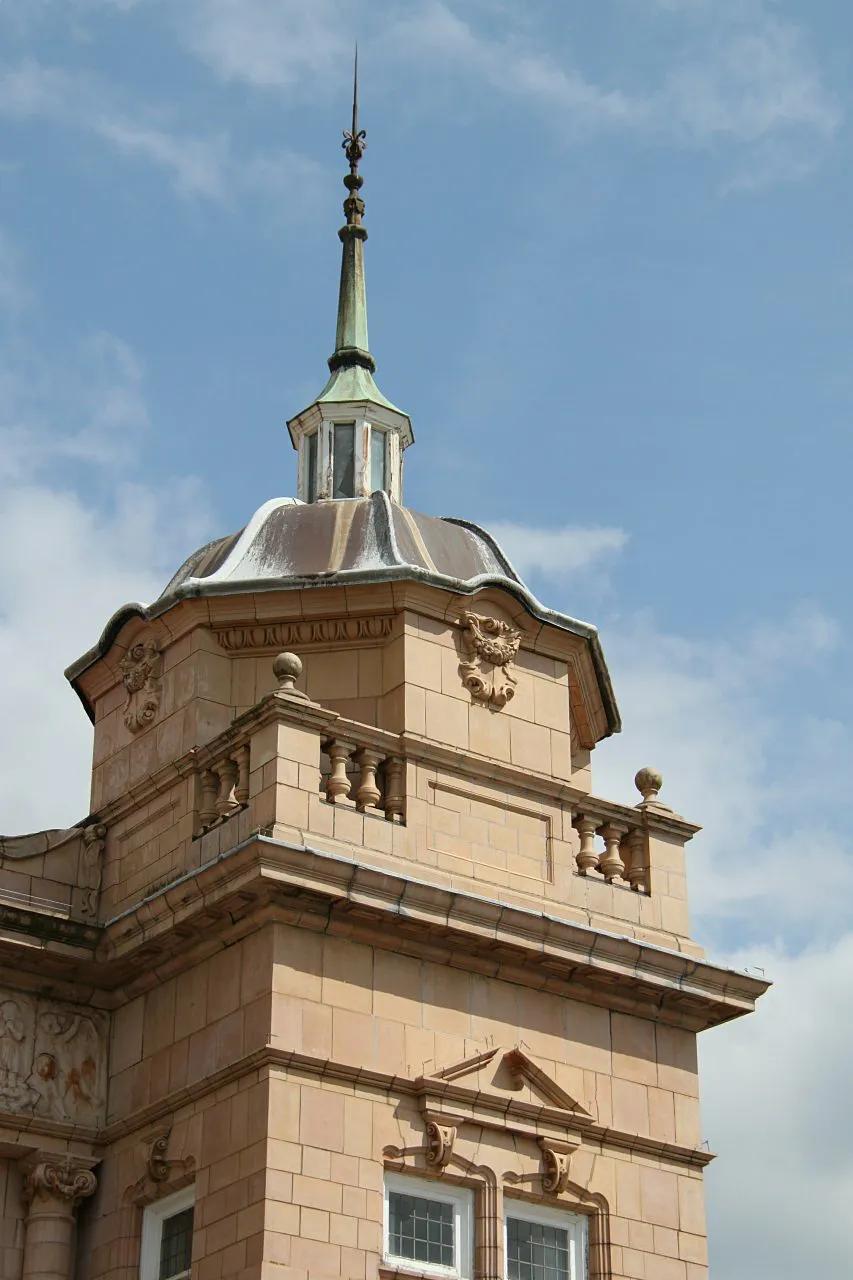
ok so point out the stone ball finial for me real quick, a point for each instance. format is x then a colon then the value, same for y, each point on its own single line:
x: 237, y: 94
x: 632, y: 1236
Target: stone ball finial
x: 648, y: 782
x: 287, y: 668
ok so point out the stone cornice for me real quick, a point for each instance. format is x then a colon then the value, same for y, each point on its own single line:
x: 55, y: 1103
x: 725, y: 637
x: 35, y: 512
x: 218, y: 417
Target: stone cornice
x: 456, y: 1103
x: 270, y: 879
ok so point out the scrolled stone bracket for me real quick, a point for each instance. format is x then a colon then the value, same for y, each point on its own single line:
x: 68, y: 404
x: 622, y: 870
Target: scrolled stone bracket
x: 159, y: 1168
x: 439, y: 1145
x: 556, y: 1157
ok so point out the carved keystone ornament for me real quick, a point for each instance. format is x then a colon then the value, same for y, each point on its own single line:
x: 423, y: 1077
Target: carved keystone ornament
x: 141, y: 669
x: 489, y: 648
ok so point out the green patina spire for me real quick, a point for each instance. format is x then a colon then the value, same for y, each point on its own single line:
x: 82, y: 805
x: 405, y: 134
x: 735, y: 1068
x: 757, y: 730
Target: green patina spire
x: 352, y: 366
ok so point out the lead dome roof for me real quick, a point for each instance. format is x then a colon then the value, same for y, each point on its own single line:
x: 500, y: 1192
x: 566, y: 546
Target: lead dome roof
x: 292, y: 545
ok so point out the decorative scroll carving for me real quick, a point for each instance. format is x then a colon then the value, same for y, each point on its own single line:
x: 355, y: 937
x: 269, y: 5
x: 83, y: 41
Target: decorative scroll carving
x: 555, y: 1169
x: 94, y: 840
x: 157, y: 1165
x: 489, y: 648
x: 288, y: 635
x: 141, y: 669
x: 63, y: 1178
x: 52, y: 1059
x: 440, y: 1140
x: 158, y: 1168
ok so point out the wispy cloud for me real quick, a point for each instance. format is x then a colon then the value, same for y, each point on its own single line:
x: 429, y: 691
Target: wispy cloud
x: 67, y: 561
x: 556, y: 554
x: 735, y: 74
x: 203, y: 166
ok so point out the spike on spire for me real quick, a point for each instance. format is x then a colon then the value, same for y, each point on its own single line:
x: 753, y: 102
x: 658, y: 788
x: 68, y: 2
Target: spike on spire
x: 351, y: 346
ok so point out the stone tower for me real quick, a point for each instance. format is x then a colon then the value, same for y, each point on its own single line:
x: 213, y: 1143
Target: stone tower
x: 349, y: 973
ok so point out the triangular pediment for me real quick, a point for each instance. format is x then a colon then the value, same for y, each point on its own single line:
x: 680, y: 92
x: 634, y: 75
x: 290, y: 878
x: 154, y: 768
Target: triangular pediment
x: 509, y: 1071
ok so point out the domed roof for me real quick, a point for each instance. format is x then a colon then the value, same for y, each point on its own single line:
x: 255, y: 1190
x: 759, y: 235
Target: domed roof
x: 291, y: 543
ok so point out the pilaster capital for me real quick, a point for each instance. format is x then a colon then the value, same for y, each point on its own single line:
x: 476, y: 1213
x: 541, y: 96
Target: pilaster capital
x: 48, y: 1176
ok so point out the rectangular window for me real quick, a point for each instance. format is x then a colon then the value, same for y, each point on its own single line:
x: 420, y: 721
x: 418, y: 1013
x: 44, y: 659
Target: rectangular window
x: 311, y: 467
x: 377, y: 459
x: 343, y: 464
x: 428, y: 1226
x: 544, y: 1244
x: 167, y: 1238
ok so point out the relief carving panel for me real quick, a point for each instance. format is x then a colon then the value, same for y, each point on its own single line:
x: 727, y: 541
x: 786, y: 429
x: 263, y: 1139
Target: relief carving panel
x: 52, y: 1059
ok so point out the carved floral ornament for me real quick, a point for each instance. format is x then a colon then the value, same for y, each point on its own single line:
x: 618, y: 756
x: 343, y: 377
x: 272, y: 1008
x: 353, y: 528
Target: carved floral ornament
x: 141, y: 671
x: 489, y: 648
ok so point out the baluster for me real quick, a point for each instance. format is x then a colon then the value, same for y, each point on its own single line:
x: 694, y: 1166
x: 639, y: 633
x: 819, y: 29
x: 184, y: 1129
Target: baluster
x: 636, y: 871
x: 368, y: 794
x: 227, y: 771
x: 586, y: 858
x: 395, y: 798
x: 338, y: 786
x: 611, y: 864
x: 241, y: 791
x: 209, y: 792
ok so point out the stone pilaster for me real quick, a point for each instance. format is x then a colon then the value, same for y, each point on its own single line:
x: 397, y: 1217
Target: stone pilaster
x: 54, y: 1185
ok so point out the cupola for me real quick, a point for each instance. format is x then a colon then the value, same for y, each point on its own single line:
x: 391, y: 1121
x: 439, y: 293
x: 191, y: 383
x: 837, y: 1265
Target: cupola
x: 351, y: 439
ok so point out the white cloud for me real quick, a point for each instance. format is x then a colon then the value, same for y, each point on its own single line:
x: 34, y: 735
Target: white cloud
x: 775, y: 1109
x: 67, y: 562
x: 707, y: 714
x: 206, y: 166
x: 270, y: 43
x: 199, y: 166
x: 737, y: 74
x: 555, y: 553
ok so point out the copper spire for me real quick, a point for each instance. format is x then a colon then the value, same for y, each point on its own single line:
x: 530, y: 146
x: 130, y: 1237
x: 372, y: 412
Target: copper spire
x: 351, y: 339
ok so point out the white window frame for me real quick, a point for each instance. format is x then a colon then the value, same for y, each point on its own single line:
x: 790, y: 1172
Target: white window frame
x: 574, y: 1224
x: 462, y: 1200
x: 153, y: 1217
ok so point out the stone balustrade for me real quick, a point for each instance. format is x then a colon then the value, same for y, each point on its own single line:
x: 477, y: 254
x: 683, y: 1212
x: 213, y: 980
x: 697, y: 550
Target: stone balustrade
x: 223, y: 787
x: 365, y: 776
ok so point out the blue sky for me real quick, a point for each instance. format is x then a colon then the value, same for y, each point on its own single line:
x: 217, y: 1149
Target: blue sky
x: 610, y: 277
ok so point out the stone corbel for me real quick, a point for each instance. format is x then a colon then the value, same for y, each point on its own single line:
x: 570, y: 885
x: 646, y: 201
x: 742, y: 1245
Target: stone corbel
x: 555, y: 1164
x: 158, y: 1167
x: 440, y: 1139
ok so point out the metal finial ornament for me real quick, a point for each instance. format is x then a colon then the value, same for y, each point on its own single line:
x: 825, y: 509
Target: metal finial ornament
x: 355, y: 139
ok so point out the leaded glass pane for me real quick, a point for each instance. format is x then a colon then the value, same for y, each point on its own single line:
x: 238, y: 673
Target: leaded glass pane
x: 377, y: 459
x: 421, y: 1230
x: 176, y: 1245
x: 343, y: 468
x: 536, y: 1252
x: 311, y: 467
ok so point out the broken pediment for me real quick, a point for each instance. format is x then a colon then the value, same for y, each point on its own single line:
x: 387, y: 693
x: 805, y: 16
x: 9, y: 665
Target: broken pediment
x: 509, y: 1074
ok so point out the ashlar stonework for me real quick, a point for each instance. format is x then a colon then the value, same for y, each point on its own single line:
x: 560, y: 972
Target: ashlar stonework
x: 348, y: 972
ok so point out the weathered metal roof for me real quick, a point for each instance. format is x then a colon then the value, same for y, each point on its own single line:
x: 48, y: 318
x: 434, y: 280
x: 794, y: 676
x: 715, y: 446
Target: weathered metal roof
x: 292, y: 545
x: 364, y: 537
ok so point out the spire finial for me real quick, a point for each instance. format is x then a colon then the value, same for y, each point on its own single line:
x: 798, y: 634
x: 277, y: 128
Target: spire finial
x: 355, y: 139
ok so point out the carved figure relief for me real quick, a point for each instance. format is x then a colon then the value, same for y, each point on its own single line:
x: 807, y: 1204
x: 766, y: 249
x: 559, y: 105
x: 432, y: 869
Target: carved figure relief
x: 52, y: 1059
x: 94, y: 840
x: 489, y: 648
x: 141, y: 669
